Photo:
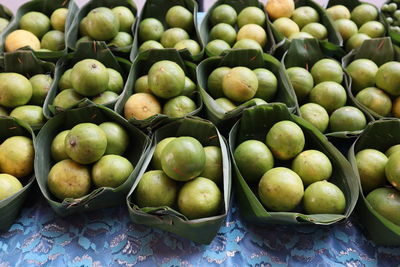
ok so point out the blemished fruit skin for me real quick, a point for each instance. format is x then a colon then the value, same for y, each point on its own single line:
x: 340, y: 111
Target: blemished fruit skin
x: 312, y: 166
x: 9, y: 185
x: 253, y: 158
x: 183, y: 158
x: 280, y: 189
x: 213, y: 169
x: 156, y: 160
x: 327, y: 70
x: 329, y: 95
x: 117, y: 138
x: 386, y: 201
x: 316, y: 115
x: 179, y: 106
x: 388, y: 78
x: 347, y: 118
x: 16, y: 156
x: 68, y: 179
x: 392, y: 170
x: 86, y: 143
x: 141, y: 106
x: 58, y: 146
x: 156, y: 189
x: 324, y: 197
x: 376, y: 100
x: 102, y: 24
x: 371, y: 168
x: 15, y: 90
x: 362, y: 72
x: 111, y: 171
x: 166, y: 79
x: 240, y: 84
x: 285, y: 139
x: 199, y: 198
x: 89, y: 77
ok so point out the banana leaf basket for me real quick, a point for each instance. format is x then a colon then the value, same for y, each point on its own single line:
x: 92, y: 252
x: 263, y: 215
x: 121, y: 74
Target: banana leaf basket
x: 254, y: 125
x: 333, y: 43
x: 5, y: 12
x: 93, y: 50
x: 251, y: 59
x: 140, y: 67
x: 46, y: 7
x: 10, y: 207
x: 99, y: 198
x: 73, y: 32
x: 380, y: 51
x: 304, y: 53
x: 27, y: 64
x: 378, y: 135
x: 238, y: 5
x: 199, y: 230
x: 158, y: 9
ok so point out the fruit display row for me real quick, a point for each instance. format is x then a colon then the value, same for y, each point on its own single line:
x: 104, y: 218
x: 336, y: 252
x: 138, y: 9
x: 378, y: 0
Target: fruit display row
x: 126, y: 123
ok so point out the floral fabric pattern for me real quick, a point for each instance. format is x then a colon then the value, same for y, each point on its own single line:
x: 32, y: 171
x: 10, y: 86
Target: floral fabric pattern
x: 107, y: 238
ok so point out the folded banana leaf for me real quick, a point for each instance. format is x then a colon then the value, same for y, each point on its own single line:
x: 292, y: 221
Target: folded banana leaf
x: 305, y: 53
x: 26, y: 63
x: 248, y: 58
x: 10, y: 207
x: 200, y: 230
x: 238, y: 5
x: 5, y: 12
x: 73, y: 32
x: 333, y: 42
x: 254, y: 125
x: 158, y: 9
x: 46, y: 7
x: 380, y: 51
x: 378, y: 135
x: 140, y: 67
x: 94, y: 50
x: 101, y: 197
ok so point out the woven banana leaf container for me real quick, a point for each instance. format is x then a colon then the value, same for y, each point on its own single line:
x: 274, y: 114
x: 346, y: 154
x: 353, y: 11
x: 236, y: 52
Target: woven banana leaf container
x: 251, y: 59
x: 10, y: 207
x: 199, y: 230
x: 87, y: 50
x: 98, y: 198
x: 5, y: 12
x: 158, y: 9
x: 254, y: 125
x: 380, y: 51
x: 305, y: 53
x: 238, y: 5
x: 332, y: 43
x: 140, y: 67
x: 47, y: 7
x: 378, y: 135
x: 73, y: 33
x: 27, y: 64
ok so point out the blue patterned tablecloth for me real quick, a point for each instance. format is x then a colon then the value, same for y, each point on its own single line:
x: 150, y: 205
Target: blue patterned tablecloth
x: 108, y: 238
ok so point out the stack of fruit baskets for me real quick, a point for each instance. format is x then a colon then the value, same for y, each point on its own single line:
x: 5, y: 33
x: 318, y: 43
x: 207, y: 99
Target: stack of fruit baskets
x: 116, y: 102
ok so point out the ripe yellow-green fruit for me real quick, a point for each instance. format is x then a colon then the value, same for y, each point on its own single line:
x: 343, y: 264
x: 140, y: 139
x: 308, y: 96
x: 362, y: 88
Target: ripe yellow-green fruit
x: 286, y: 26
x: 279, y: 8
x: 141, y: 106
x: 58, y: 19
x: 240, y: 84
x: 21, y: 38
x: 254, y: 32
x: 338, y: 12
x: 16, y: 156
x: 35, y: 22
x: 9, y: 185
